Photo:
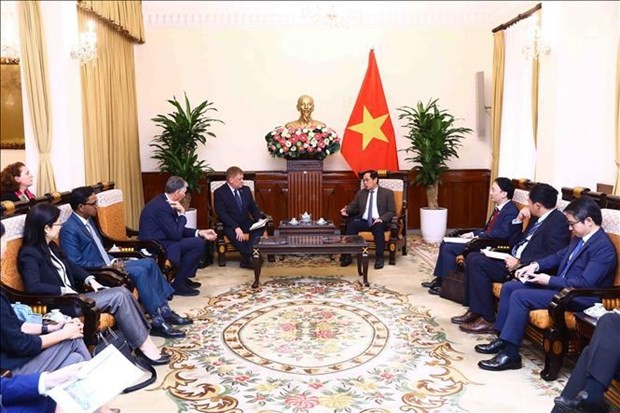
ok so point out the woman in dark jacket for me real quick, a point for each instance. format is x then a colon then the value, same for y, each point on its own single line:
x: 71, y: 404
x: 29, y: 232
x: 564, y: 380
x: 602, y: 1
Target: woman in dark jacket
x: 15, y: 180
x: 46, y: 271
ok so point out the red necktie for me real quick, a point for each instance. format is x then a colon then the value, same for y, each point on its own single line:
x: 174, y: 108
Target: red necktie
x: 492, y: 220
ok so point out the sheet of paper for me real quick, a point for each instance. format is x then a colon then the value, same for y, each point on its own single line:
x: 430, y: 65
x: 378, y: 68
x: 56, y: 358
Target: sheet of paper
x: 495, y: 255
x: 259, y: 224
x: 104, y: 377
x: 457, y: 240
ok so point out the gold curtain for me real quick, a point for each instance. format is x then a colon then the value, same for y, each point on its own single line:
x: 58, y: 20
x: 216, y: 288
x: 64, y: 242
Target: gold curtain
x: 110, y: 117
x: 617, y: 185
x: 535, y: 76
x: 34, y: 60
x: 499, y: 60
x: 124, y: 16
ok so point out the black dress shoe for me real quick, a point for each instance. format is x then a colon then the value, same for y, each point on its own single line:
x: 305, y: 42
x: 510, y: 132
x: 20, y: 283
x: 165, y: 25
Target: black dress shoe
x: 192, y: 284
x: 500, y: 362
x: 378, y: 263
x: 246, y: 264
x: 166, y: 330
x: 185, y: 291
x: 468, y: 317
x: 580, y: 404
x: 345, y: 260
x: 436, y: 282
x: 162, y: 360
x: 434, y: 290
x: 174, y: 318
x: 493, y: 347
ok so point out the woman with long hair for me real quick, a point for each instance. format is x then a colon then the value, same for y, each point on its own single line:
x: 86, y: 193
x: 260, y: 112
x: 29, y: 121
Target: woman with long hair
x: 46, y: 271
x: 14, y: 182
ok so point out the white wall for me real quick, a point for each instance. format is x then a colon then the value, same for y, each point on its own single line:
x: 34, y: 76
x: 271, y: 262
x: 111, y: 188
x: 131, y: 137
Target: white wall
x: 254, y: 74
x: 577, y: 134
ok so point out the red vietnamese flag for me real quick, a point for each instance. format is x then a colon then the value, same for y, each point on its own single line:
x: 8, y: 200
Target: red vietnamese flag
x: 369, y: 141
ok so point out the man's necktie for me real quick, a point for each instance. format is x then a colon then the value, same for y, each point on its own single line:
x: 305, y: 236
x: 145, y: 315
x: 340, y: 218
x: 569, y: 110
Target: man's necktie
x: 238, y: 199
x: 492, y: 220
x: 572, y: 257
x: 369, y: 214
x: 530, y: 232
x: 102, y: 250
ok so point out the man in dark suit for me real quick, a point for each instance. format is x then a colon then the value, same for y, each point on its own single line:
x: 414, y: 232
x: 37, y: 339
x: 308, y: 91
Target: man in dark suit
x: 163, y: 219
x: 81, y: 241
x: 546, y: 233
x: 235, y: 207
x: 372, y: 210
x: 598, y: 363
x: 497, y: 227
x: 589, y: 261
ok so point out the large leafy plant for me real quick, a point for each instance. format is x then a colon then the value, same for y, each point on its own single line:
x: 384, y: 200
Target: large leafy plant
x: 433, y: 140
x: 183, y: 130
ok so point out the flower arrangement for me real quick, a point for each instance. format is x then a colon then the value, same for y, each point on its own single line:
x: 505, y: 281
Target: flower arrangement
x: 302, y: 143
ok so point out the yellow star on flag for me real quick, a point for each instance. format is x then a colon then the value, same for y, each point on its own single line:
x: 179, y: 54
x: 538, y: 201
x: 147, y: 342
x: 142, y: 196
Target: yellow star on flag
x: 370, y: 128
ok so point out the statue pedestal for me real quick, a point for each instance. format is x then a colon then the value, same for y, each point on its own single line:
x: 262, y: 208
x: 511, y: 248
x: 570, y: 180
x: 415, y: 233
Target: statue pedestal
x: 305, y: 187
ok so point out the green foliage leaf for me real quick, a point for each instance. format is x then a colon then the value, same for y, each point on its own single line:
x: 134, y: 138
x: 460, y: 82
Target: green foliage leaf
x: 182, y: 131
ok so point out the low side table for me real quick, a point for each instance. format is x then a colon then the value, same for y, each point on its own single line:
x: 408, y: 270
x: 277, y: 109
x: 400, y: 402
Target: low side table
x: 312, y: 227
x: 310, y: 244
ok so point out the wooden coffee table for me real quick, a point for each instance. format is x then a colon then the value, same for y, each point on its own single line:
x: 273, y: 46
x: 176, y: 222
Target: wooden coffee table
x: 302, y: 228
x: 310, y: 244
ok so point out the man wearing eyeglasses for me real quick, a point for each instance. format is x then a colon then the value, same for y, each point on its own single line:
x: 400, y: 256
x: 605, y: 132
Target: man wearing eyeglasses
x: 81, y: 241
x: 589, y: 261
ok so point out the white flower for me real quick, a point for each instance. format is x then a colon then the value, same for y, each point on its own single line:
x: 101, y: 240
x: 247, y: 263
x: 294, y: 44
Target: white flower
x: 297, y: 132
x: 281, y: 150
x: 326, y: 151
x: 288, y: 144
x: 294, y: 148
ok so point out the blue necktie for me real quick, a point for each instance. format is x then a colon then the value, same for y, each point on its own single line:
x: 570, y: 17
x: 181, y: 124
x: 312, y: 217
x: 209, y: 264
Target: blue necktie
x: 369, y: 216
x: 572, y: 257
x: 530, y: 232
x: 95, y: 236
x: 238, y: 199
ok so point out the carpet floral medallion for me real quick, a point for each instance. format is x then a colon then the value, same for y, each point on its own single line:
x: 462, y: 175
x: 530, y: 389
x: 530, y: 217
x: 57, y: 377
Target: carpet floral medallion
x: 314, y: 344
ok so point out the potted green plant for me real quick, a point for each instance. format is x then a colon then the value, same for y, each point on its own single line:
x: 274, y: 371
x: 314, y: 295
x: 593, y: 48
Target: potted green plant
x: 175, y: 148
x: 433, y: 140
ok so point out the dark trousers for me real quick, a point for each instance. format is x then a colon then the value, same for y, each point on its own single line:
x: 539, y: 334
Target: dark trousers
x: 244, y: 247
x: 446, y: 261
x: 357, y: 225
x: 482, y: 272
x: 153, y: 288
x: 600, y: 360
x: 185, y: 255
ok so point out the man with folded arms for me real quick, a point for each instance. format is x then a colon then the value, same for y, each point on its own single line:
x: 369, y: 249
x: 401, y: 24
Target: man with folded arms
x: 546, y: 233
x: 589, y: 261
x: 81, y: 241
x: 163, y: 219
x: 497, y: 227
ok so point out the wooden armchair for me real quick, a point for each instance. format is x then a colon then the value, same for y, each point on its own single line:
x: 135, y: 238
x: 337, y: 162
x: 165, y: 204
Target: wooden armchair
x: 113, y: 229
x: 214, y: 181
x: 396, y: 235
x: 12, y: 283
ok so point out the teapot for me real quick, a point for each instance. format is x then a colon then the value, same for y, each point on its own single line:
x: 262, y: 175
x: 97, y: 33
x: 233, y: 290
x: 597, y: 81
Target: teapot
x: 305, y: 217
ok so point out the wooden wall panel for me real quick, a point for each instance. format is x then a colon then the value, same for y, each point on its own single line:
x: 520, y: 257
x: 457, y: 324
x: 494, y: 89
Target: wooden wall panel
x: 465, y: 192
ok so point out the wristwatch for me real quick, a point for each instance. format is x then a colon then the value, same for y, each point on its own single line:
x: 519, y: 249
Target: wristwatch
x: 44, y: 329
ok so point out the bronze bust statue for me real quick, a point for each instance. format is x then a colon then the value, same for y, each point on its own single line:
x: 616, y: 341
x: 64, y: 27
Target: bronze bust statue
x: 305, y: 106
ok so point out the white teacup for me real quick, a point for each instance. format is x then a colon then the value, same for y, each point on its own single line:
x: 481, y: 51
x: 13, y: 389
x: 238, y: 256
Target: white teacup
x: 293, y: 221
x: 321, y: 221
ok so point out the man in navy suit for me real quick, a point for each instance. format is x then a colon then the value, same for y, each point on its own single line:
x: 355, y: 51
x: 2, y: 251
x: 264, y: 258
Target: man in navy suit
x: 235, y: 207
x: 163, y: 219
x: 589, y: 261
x: 81, y: 241
x: 546, y: 234
x: 598, y: 363
x: 497, y: 227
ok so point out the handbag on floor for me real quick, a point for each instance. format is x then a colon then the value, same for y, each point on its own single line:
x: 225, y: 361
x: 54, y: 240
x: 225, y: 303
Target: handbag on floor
x: 453, y: 287
x: 110, y: 337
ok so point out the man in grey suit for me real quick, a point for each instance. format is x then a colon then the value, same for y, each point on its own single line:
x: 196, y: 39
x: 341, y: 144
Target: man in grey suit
x: 372, y: 210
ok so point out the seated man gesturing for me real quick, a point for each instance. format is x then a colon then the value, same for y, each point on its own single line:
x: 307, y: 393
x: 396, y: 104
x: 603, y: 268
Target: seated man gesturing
x: 372, y: 210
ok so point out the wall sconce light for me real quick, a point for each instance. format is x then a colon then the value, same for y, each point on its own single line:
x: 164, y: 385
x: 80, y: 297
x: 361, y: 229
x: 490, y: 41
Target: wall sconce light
x: 86, y: 49
x: 536, y: 45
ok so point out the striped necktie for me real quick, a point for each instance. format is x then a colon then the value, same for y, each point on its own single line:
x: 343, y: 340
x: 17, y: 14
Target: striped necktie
x: 531, y: 229
x: 238, y: 199
x: 489, y: 226
x: 95, y: 236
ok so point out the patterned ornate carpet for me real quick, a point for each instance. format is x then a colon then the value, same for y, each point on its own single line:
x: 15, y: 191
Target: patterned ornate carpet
x: 314, y: 345
x: 311, y: 339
